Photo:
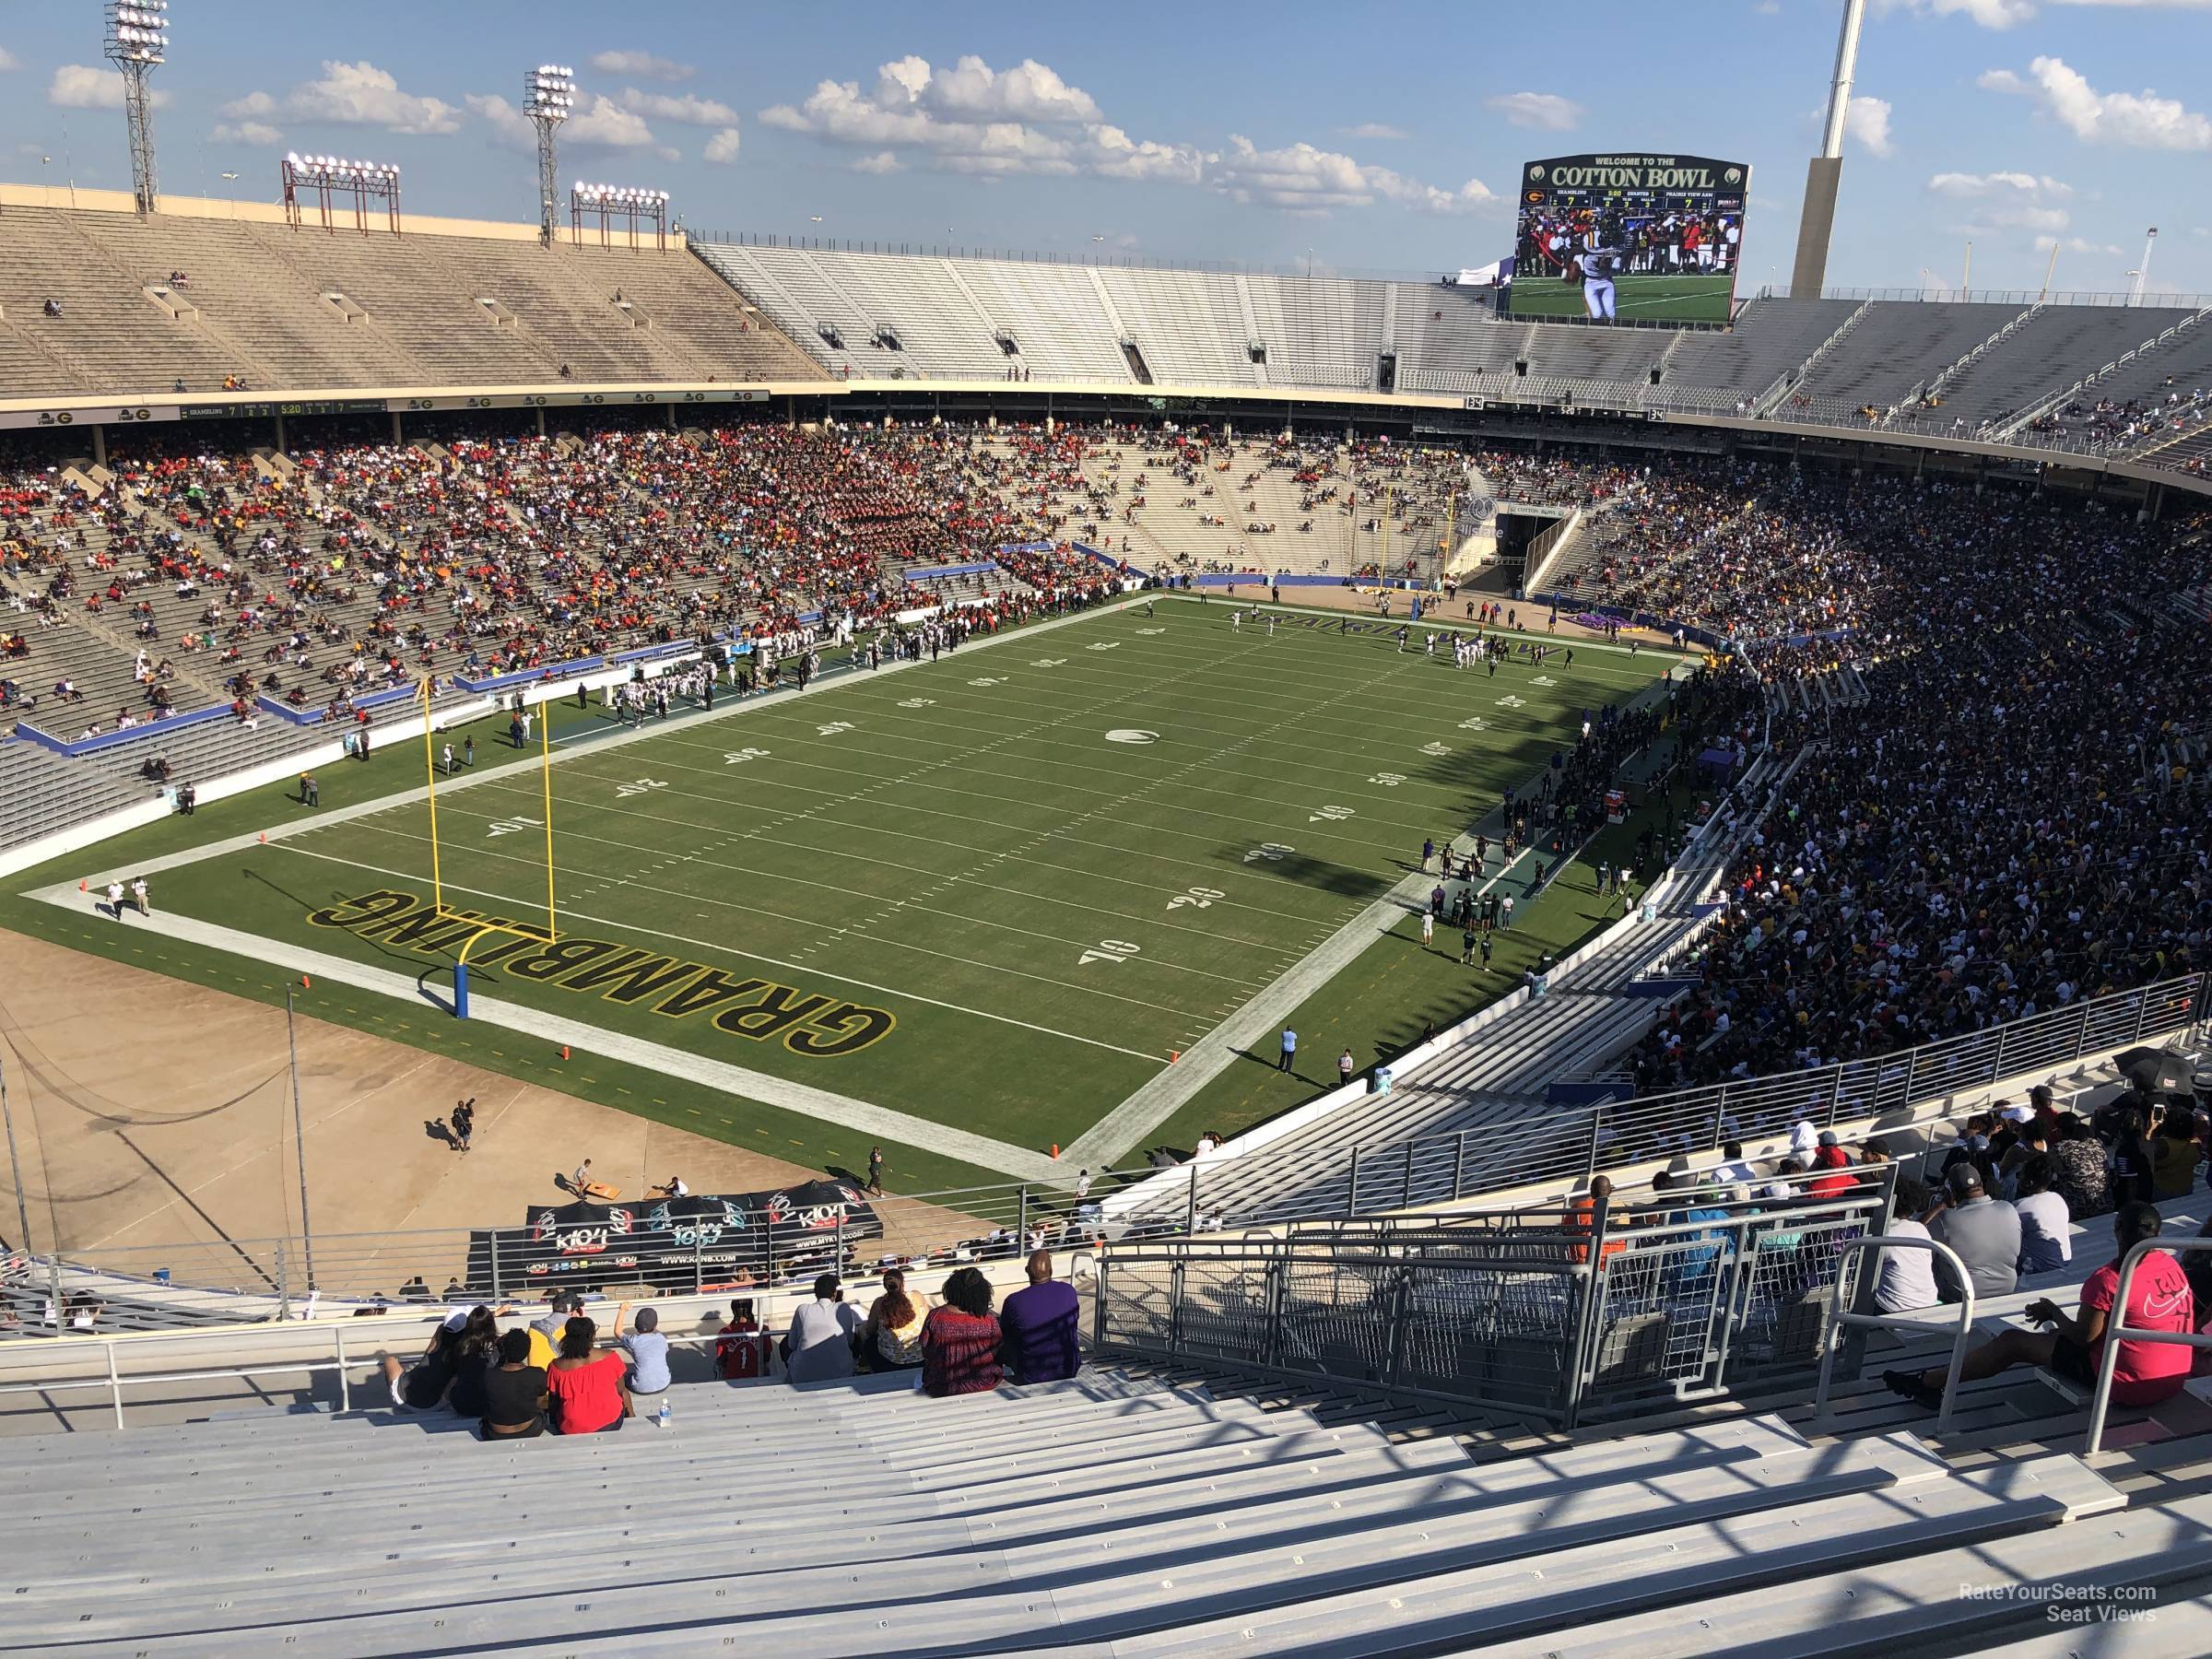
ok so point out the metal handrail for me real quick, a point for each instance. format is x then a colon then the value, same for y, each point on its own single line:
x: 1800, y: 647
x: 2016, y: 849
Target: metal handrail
x: 2115, y: 1334
x: 1839, y: 1317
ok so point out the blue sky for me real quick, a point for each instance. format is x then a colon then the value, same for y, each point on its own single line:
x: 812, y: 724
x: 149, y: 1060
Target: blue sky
x: 1377, y: 138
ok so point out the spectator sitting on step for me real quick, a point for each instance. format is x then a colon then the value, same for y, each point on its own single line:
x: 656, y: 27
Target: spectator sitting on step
x: 648, y: 1351
x: 2046, y: 1235
x: 2083, y: 1181
x: 892, y: 1339
x: 514, y: 1392
x: 1985, y: 1232
x: 1906, y: 1278
x: 53, y: 307
x: 2146, y: 1373
x: 545, y: 1333
x: 817, y: 1347
x: 741, y: 1350
x: 1037, y: 1341
x: 419, y: 1387
x: 959, y: 1340
x: 589, y: 1391
x: 474, y: 1346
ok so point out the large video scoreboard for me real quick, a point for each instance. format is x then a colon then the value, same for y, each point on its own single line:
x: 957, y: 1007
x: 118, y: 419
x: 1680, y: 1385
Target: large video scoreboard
x: 1629, y: 239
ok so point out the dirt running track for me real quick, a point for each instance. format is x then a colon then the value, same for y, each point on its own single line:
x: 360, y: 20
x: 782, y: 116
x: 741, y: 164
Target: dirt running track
x: 149, y: 1112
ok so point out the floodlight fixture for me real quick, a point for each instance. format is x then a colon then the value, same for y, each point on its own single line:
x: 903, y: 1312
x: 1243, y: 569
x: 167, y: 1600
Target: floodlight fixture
x: 548, y: 99
x: 136, y: 43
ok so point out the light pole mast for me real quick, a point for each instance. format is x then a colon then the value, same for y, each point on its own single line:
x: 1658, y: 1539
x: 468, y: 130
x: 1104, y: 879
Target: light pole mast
x: 549, y: 96
x: 2150, y: 240
x: 1824, y: 174
x: 137, y: 42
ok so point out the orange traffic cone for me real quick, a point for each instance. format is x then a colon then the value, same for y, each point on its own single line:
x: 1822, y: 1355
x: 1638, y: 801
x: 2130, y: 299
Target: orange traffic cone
x: 1056, y: 1149
x: 564, y: 1051
x: 1174, y: 1056
x: 263, y: 838
x: 83, y: 887
x: 306, y: 984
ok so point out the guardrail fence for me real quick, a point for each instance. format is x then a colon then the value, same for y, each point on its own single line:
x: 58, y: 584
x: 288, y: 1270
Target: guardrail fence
x: 1553, y: 1316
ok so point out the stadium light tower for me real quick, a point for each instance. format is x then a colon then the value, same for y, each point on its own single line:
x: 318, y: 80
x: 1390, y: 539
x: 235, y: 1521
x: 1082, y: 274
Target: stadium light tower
x: 2142, y: 272
x: 1825, y: 173
x: 137, y: 42
x: 549, y: 96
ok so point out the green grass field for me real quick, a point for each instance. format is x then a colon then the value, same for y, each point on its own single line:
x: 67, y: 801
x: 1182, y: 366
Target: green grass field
x: 1642, y: 299
x: 995, y: 893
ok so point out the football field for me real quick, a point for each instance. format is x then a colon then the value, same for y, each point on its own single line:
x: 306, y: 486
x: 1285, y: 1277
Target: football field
x: 1653, y: 298
x: 995, y: 895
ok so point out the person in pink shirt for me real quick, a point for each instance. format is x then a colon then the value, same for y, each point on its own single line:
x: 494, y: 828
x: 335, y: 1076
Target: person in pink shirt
x: 2146, y: 1373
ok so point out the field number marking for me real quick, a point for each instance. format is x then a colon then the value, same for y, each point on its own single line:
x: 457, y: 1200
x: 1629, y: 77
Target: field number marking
x: 1473, y: 722
x: 1105, y: 645
x: 917, y: 703
x: 831, y: 728
x: 1388, y: 780
x: 1508, y: 701
x: 1268, y: 853
x: 1108, y: 950
x: 1543, y: 679
x: 739, y: 757
x: 1202, y: 898
x: 637, y: 786
x: 1335, y: 814
x: 1436, y: 748
x: 514, y: 826
x: 1050, y: 663
x: 988, y: 681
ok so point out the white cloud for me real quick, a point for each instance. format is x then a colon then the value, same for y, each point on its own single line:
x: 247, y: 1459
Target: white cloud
x: 643, y: 64
x: 8, y: 60
x: 1867, y: 119
x: 2073, y: 244
x: 721, y: 148
x: 1302, y: 179
x: 2130, y: 120
x: 508, y: 125
x: 2007, y: 201
x: 685, y: 107
x: 1029, y: 91
x: 1376, y: 131
x: 354, y: 95
x: 245, y: 131
x: 1545, y: 111
x: 1962, y: 185
x: 993, y: 124
x: 2006, y: 14
x: 80, y: 87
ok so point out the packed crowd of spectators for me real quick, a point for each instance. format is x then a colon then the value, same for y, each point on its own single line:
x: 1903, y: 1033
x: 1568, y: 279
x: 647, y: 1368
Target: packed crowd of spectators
x: 1998, y: 831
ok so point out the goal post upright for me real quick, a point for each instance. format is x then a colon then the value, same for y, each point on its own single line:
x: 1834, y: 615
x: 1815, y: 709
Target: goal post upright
x: 551, y: 930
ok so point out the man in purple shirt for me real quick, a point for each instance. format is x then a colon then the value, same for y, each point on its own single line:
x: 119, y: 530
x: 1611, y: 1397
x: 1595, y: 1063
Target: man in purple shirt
x: 1038, y: 1327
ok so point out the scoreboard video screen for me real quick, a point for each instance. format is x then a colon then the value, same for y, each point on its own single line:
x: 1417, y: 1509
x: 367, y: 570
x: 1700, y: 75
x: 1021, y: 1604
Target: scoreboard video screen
x: 1628, y: 239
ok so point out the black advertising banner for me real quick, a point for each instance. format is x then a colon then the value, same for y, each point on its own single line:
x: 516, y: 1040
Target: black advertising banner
x: 700, y: 1241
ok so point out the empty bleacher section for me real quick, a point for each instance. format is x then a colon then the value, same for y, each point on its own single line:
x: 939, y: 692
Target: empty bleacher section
x: 1891, y: 354
x: 284, y: 308
x: 2042, y: 355
x: 1771, y: 339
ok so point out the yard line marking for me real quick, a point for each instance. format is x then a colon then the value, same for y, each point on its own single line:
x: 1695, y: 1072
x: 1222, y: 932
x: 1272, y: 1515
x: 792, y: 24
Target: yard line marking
x: 610, y: 879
